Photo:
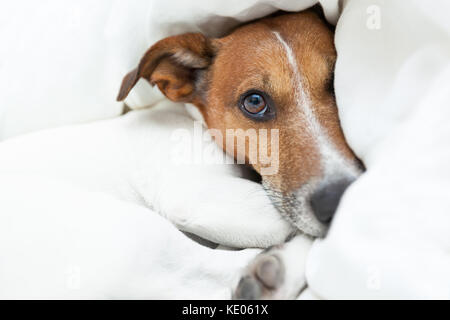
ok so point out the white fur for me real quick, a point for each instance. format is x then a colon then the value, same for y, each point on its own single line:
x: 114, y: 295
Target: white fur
x: 334, y: 165
x: 189, y: 59
x: 294, y: 256
x: 86, y: 197
x: 58, y: 241
x: 333, y: 162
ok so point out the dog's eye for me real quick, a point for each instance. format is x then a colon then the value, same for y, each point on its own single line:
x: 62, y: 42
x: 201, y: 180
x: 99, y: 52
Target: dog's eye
x: 257, y: 105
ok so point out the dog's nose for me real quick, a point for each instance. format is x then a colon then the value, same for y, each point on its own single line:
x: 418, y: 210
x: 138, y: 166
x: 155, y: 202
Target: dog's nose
x: 325, y: 200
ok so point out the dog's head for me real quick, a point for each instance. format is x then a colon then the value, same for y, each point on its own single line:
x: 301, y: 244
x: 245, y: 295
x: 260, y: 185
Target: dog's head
x: 274, y: 74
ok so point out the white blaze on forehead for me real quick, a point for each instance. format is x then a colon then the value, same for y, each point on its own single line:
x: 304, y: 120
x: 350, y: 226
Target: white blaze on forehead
x: 332, y: 161
x: 301, y: 96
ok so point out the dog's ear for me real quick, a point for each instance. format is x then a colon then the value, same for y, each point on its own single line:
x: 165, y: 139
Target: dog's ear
x: 172, y: 65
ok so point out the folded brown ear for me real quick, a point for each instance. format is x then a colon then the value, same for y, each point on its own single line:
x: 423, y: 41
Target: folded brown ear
x: 171, y: 64
x: 128, y: 82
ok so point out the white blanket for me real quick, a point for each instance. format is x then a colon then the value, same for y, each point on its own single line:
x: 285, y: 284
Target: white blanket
x: 390, y: 236
x: 87, y: 204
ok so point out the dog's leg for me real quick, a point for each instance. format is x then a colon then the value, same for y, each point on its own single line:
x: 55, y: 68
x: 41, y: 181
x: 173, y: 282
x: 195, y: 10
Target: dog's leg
x: 89, y: 245
x: 276, y: 273
x: 227, y: 210
x: 191, y: 271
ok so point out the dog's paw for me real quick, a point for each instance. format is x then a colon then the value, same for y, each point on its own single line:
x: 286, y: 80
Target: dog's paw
x: 276, y: 273
x: 262, y: 279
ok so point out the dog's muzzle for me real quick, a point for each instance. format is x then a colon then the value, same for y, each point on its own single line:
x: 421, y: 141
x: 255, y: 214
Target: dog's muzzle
x: 325, y: 200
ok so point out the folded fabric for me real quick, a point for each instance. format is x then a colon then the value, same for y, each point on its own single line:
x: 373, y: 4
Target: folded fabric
x: 102, y: 204
x: 62, y: 63
x: 390, y: 236
x: 65, y: 242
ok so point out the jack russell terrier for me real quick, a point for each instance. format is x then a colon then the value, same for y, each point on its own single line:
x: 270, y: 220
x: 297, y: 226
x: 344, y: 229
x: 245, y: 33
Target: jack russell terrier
x: 275, y: 73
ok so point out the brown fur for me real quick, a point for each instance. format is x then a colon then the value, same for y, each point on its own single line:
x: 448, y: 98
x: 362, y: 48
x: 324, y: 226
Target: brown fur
x: 214, y: 73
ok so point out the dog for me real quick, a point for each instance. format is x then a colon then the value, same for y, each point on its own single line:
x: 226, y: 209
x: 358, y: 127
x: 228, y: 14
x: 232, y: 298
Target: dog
x: 101, y: 202
x: 275, y: 73
x: 129, y: 158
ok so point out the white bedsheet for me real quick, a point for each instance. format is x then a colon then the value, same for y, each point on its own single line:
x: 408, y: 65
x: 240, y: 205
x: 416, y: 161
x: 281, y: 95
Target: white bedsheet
x: 390, y: 237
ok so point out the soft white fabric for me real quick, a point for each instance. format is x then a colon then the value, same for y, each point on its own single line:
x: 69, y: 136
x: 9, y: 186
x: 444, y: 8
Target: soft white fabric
x: 63, y: 62
x: 81, y: 211
x: 166, y: 18
x: 65, y: 242
x: 56, y: 64
x: 390, y: 236
x: 158, y: 158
